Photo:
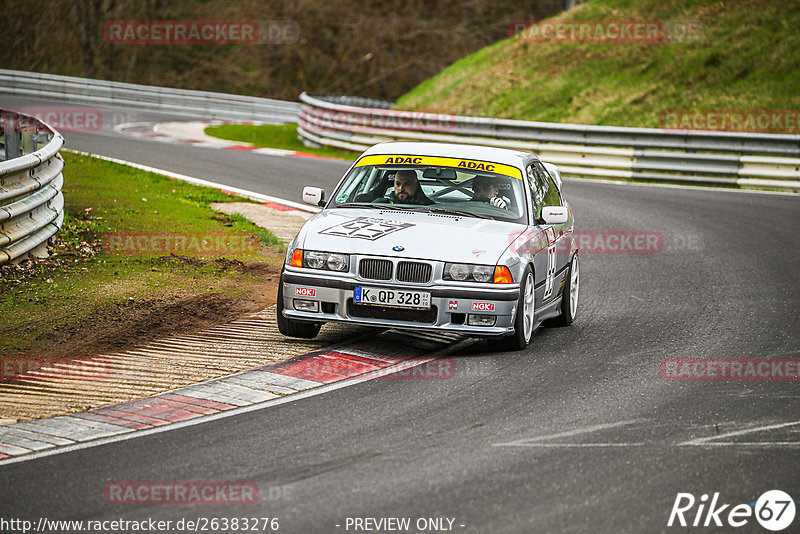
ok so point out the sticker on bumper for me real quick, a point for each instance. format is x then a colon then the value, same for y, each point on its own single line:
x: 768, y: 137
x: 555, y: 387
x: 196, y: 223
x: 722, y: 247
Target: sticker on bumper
x: 305, y: 292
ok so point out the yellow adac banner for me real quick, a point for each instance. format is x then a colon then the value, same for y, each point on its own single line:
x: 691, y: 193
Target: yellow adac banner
x: 468, y: 165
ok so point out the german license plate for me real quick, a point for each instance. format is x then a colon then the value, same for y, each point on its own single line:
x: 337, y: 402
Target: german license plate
x: 392, y: 297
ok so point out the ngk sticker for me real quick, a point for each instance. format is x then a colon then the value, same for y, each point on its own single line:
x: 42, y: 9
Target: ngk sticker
x: 305, y: 292
x: 483, y: 306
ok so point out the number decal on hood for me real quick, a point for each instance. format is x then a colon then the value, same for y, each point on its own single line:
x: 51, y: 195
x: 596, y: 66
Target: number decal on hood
x: 366, y: 228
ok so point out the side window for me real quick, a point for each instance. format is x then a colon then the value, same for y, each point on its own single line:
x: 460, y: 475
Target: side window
x: 538, y: 189
x: 552, y: 197
x: 543, y: 189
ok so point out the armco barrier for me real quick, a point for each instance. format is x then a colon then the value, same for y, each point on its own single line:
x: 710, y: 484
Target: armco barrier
x: 650, y: 154
x: 353, y: 123
x: 176, y: 101
x: 31, y: 203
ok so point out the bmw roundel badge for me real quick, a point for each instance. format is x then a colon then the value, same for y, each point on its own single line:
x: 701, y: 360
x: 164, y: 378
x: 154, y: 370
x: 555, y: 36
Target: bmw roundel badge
x: 398, y: 248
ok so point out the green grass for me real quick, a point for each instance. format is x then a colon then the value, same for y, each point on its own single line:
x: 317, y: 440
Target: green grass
x: 282, y: 136
x: 746, y: 59
x: 84, y: 276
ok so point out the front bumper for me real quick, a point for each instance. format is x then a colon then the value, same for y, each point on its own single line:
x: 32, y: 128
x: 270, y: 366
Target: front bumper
x: 450, y: 305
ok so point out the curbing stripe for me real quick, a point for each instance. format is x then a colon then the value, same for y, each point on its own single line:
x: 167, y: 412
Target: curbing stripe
x: 242, y: 389
x: 160, y: 409
x: 64, y: 429
x: 18, y: 439
x: 265, y: 376
x: 253, y: 384
x: 215, y: 396
x: 12, y: 454
x: 112, y: 420
x: 36, y: 437
x: 111, y: 412
x: 153, y: 132
x: 193, y: 401
x: 91, y: 424
x: 10, y: 450
x: 324, y: 368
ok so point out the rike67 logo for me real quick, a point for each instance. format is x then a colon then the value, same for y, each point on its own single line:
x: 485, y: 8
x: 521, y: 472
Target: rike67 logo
x: 775, y: 510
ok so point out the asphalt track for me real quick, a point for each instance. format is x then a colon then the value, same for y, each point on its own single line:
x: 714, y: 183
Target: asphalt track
x: 579, y: 433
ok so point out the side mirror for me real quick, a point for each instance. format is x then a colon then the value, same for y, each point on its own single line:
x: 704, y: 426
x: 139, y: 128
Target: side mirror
x: 314, y: 196
x: 555, y: 214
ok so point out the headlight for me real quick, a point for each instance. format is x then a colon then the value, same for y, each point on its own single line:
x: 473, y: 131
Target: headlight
x: 483, y: 273
x: 337, y: 262
x: 314, y: 260
x: 458, y: 271
x: 330, y: 261
x: 462, y: 272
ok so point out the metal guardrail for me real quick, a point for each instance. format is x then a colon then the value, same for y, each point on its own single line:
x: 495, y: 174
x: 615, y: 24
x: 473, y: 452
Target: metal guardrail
x: 650, y: 154
x: 31, y: 202
x: 178, y: 101
x: 354, y: 123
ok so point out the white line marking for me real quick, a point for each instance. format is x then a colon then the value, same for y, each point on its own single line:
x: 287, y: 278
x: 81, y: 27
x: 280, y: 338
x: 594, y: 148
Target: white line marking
x: 120, y: 127
x: 744, y: 444
x: 706, y: 440
x: 674, y: 186
x: 526, y: 442
x: 243, y: 409
x: 205, y: 183
x: 573, y: 445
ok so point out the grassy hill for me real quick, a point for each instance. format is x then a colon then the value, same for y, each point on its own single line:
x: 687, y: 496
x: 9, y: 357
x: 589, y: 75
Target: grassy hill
x: 746, y: 57
x: 378, y: 49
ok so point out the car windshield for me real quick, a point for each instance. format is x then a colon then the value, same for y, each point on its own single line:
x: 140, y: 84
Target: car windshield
x: 435, y: 188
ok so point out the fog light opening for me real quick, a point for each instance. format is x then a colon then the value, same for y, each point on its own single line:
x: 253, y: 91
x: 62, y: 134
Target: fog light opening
x: 482, y: 320
x: 306, y: 305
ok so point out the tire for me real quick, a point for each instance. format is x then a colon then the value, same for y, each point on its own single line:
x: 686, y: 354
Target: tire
x: 523, y: 322
x: 290, y: 328
x: 569, y: 299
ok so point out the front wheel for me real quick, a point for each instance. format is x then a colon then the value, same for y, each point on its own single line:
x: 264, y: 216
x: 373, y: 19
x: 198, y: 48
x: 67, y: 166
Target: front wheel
x: 523, y: 322
x: 291, y: 328
x: 569, y: 298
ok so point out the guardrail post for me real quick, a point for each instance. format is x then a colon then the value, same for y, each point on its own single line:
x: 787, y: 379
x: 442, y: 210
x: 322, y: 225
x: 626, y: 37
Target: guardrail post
x: 27, y: 142
x: 13, y: 145
x: 39, y: 140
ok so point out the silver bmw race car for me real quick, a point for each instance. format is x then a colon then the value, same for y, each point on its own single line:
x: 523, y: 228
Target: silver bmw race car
x: 435, y: 236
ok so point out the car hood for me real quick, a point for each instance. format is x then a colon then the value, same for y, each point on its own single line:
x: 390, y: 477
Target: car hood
x: 421, y: 235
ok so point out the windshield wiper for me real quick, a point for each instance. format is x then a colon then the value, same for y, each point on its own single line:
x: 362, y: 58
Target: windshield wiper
x: 358, y: 205
x: 462, y: 213
x: 374, y: 206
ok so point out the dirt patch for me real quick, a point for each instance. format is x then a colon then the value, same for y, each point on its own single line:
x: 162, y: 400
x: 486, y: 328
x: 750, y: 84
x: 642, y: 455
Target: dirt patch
x: 133, y: 322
